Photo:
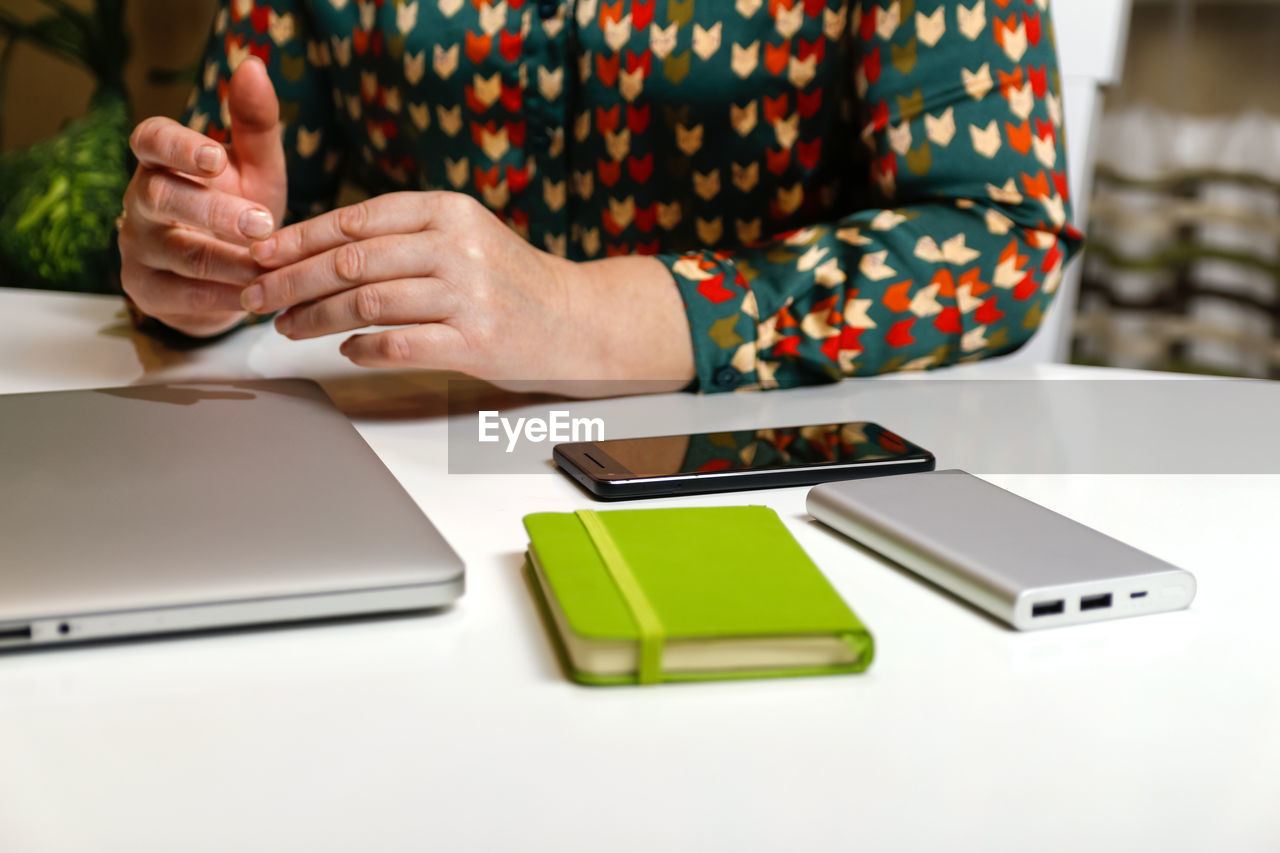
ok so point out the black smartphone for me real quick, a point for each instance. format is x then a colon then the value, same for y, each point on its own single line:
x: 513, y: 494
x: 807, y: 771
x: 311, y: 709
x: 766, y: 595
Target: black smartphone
x: 699, y: 463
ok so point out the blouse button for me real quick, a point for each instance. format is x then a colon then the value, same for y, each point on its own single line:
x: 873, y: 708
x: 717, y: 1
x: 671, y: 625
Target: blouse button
x: 728, y: 378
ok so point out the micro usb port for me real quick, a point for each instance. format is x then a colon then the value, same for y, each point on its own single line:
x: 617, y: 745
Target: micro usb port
x: 1048, y: 608
x: 1095, y: 602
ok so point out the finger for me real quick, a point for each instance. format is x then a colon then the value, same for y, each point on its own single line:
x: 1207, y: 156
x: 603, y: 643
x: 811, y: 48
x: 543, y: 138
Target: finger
x: 162, y: 143
x: 255, y: 123
x: 379, y: 259
x: 164, y: 197
x: 388, y: 303
x: 432, y: 345
x: 160, y: 292
x: 188, y: 253
x: 393, y: 213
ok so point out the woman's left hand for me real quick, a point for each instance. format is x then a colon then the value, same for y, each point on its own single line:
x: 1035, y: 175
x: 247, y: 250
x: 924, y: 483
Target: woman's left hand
x: 469, y: 295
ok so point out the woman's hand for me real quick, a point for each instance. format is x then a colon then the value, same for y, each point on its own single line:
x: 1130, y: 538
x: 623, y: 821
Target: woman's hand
x: 472, y: 296
x: 194, y: 206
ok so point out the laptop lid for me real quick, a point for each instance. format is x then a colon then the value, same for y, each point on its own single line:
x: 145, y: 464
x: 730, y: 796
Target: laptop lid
x: 218, y: 501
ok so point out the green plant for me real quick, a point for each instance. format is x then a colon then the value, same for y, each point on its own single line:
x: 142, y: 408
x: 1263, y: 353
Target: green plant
x: 59, y: 198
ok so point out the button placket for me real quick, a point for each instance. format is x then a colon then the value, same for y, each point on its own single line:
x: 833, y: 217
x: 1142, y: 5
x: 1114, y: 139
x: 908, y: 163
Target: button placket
x: 545, y: 103
x: 540, y: 114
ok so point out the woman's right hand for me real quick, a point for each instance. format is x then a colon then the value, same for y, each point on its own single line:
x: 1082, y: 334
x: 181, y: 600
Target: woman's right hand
x: 194, y: 206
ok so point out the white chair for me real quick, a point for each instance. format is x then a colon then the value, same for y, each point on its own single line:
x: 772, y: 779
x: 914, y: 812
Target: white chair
x: 1091, y: 38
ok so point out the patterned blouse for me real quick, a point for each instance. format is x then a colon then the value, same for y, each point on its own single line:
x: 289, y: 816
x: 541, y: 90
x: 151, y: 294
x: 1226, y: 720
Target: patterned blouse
x: 838, y: 187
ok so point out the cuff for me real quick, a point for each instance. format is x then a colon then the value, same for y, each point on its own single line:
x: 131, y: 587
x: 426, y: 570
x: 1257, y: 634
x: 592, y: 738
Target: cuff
x: 722, y: 320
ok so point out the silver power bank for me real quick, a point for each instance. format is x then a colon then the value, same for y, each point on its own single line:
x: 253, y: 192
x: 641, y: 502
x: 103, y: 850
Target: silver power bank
x: 1018, y: 561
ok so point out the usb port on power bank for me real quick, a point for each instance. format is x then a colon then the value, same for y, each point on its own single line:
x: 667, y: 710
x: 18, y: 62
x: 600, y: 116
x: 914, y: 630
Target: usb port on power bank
x: 1047, y: 608
x: 1095, y: 602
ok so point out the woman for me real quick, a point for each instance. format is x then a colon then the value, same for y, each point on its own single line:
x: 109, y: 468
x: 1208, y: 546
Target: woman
x: 707, y: 194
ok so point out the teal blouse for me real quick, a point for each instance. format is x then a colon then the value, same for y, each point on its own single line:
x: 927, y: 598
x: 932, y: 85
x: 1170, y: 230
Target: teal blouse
x: 838, y: 187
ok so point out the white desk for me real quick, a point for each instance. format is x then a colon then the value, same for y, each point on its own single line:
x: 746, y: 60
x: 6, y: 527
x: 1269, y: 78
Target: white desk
x: 456, y: 732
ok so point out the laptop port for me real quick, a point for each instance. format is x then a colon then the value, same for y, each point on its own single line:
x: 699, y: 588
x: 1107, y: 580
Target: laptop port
x: 15, y: 632
x: 1048, y: 608
x: 1095, y: 602
x: 1141, y: 594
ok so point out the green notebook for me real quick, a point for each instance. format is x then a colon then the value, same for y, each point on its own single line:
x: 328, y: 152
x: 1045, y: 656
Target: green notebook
x: 650, y: 595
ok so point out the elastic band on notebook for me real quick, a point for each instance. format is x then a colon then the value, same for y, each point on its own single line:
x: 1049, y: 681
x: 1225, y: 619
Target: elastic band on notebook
x: 650, y: 627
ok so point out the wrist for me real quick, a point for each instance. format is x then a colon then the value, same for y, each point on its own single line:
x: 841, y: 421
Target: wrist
x: 630, y: 320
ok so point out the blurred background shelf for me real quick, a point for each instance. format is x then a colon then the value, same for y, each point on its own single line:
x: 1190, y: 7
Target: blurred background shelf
x: 1184, y: 267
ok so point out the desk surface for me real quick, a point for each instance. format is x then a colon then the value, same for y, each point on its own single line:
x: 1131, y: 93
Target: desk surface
x: 457, y: 732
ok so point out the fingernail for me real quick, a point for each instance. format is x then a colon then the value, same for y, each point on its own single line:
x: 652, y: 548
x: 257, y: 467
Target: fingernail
x: 284, y: 324
x: 208, y: 158
x: 251, y: 297
x: 255, y: 224
x: 264, y: 250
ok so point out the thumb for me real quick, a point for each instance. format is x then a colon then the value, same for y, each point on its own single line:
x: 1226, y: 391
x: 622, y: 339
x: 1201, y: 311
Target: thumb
x: 256, y: 132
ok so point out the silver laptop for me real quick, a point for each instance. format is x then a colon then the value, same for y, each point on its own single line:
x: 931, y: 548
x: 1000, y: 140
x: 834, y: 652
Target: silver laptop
x: 168, y: 508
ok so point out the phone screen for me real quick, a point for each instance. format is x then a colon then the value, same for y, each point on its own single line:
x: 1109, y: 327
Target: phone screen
x: 751, y: 450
